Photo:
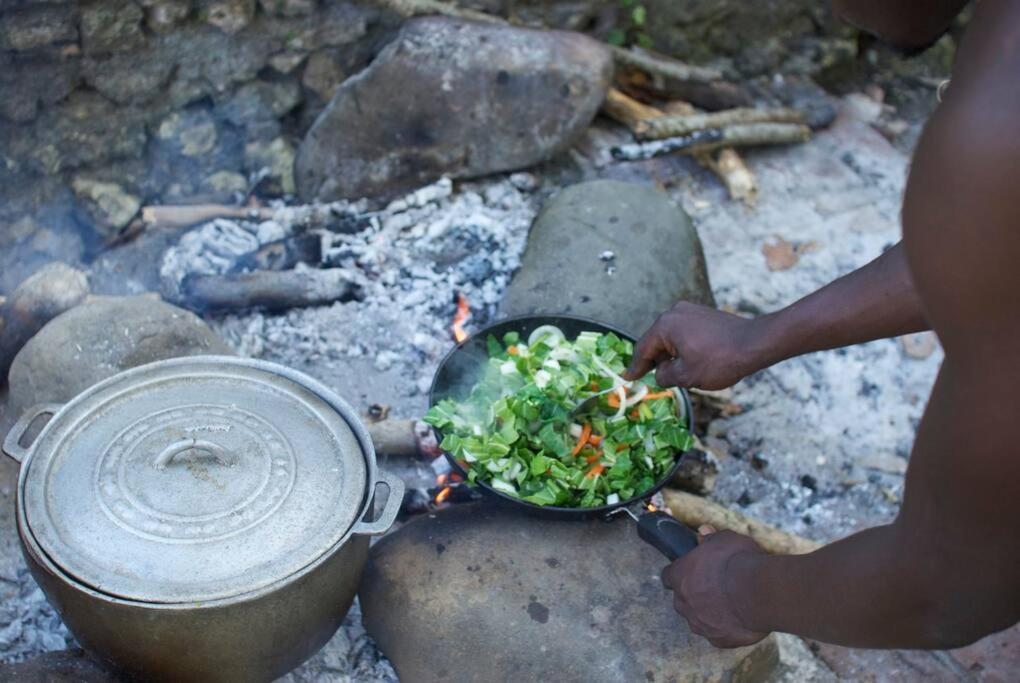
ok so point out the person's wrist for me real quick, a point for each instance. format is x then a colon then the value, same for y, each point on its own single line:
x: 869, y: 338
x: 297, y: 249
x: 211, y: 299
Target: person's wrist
x: 741, y: 574
x: 761, y: 343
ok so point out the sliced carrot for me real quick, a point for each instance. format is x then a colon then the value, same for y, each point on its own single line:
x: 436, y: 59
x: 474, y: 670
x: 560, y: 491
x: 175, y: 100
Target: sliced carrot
x: 595, y: 439
x: 621, y: 448
x: 596, y: 471
x: 614, y: 400
x: 658, y: 394
x: 634, y: 414
x: 585, y: 433
x: 593, y: 458
x: 512, y: 350
x: 594, y: 386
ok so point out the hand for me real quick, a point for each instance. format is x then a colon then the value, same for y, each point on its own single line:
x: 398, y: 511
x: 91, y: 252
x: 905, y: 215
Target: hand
x: 699, y: 592
x: 697, y: 346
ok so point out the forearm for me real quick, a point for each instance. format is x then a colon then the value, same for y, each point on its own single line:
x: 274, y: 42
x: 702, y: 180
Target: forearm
x: 867, y: 590
x: 901, y: 22
x: 873, y: 302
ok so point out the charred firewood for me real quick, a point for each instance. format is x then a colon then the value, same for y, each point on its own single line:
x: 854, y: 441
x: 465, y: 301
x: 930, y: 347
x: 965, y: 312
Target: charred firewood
x: 47, y: 293
x: 283, y: 254
x: 741, y: 135
x: 630, y: 112
x: 273, y: 290
x: 657, y: 128
x: 697, y: 472
x: 739, y: 180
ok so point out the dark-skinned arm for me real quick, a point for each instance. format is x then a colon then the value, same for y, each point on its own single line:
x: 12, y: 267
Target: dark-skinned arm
x: 696, y: 346
x: 904, y: 23
x: 947, y: 571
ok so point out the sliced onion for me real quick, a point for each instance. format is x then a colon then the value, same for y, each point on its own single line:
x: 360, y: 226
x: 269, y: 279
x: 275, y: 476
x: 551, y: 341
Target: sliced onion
x: 638, y: 396
x: 575, y: 431
x: 608, y: 371
x: 612, y: 499
x: 551, y: 331
x: 623, y: 404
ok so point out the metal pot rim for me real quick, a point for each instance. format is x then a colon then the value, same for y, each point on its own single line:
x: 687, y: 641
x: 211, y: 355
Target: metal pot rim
x: 359, y: 527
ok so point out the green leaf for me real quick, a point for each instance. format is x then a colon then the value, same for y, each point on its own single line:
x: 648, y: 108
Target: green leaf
x: 638, y: 15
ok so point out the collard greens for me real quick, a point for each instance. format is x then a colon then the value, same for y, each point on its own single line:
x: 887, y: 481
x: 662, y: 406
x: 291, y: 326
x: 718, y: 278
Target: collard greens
x: 516, y: 433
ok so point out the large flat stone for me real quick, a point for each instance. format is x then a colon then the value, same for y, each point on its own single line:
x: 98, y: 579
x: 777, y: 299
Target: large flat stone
x: 478, y: 593
x: 619, y: 252
x: 452, y: 97
x: 100, y: 338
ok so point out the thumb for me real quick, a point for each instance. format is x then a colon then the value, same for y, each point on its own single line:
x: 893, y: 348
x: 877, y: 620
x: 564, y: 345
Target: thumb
x: 670, y: 374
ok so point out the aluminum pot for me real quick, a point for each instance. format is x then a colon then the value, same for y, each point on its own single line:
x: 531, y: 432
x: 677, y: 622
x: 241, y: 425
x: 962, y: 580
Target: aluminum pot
x: 204, y: 518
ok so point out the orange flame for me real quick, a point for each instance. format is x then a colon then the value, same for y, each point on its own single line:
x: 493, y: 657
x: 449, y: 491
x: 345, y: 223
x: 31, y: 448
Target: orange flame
x: 462, y: 315
x: 443, y: 495
x: 651, y: 507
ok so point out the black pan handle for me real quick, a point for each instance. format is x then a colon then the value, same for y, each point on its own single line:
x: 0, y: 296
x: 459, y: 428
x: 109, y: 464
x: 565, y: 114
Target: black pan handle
x: 670, y: 537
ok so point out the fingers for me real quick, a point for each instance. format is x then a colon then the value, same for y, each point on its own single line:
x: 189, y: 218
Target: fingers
x: 647, y: 352
x: 671, y: 374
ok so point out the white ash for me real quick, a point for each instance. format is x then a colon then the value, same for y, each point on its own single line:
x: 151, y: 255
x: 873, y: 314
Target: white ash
x: 28, y: 624
x: 412, y: 260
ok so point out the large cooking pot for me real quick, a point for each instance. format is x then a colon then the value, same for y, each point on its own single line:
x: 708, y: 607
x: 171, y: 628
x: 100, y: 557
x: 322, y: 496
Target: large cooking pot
x: 202, y: 518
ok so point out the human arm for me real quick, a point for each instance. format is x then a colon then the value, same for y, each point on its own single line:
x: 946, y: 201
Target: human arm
x: 947, y: 570
x: 701, y: 347
x: 904, y: 23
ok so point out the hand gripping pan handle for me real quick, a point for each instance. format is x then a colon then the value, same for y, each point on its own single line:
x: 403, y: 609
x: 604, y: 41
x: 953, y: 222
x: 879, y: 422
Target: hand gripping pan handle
x: 664, y: 533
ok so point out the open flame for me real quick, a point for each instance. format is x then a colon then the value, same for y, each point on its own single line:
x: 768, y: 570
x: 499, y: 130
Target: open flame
x: 448, y: 482
x: 462, y: 315
x: 651, y: 507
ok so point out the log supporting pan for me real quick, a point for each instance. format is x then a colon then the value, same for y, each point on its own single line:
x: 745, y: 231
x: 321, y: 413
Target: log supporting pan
x: 203, y: 518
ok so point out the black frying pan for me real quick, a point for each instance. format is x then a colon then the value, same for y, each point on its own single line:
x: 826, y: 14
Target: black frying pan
x: 461, y: 370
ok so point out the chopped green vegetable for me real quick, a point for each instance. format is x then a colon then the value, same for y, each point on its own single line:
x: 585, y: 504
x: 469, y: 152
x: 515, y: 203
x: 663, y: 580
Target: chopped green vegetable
x: 516, y: 432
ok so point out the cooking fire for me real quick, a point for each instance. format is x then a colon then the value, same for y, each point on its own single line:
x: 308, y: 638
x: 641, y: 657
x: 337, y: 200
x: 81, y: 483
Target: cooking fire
x: 390, y: 341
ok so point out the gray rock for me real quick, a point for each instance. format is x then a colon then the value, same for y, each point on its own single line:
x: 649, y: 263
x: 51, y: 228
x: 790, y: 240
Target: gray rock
x: 37, y: 27
x: 258, y: 105
x: 288, y: 8
x: 230, y: 16
x: 26, y: 85
x: 111, y: 26
x: 210, y: 63
x: 162, y: 16
x: 323, y: 74
x: 224, y: 185
x: 276, y: 157
x: 108, y: 204
x: 456, y: 98
x: 99, y: 339
x: 617, y: 252
x: 476, y: 593
x: 129, y: 77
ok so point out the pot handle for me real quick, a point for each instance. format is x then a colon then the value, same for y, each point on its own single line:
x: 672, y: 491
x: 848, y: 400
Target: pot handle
x: 12, y: 442
x: 389, y: 512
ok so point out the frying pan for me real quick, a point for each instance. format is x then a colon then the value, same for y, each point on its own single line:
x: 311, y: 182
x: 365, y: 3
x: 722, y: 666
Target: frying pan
x: 461, y: 369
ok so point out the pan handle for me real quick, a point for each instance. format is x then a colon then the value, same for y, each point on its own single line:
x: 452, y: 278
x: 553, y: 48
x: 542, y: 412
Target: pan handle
x: 12, y: 442
x: 664, y: 533
x: 389, y: 513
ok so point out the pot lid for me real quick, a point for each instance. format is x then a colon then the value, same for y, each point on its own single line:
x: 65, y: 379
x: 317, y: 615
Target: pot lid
x: 195, y: 479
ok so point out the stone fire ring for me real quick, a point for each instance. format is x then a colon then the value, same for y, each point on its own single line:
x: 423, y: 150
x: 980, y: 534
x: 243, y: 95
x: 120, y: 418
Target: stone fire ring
x: 481, y: 593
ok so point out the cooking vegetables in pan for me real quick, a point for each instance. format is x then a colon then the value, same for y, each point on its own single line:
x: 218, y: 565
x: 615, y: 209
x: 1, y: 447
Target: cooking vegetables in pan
x: 552, y: 422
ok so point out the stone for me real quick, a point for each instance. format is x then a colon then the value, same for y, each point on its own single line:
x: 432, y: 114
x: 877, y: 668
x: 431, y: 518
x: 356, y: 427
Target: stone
x: 162, y: 16
x: 211, y: 63
x: 618, y: 252
x: 129, y: 77
x: 993, y: 659
x: 286, y: 61
x: 66, y: 666
x: 111, y: 26
x: 28, y: 85
x: 100, y: 338
x: 190, y: 133
x: 323, y: 74
x: 223, y: 185
x: 85, y: 129
x: 456, y: 98
x: 275, y: 156
x: 230, y: 16
x: 562, y: 600
x: 288, y: 8
x: 258, y: 105
x: 36, y: 27
x: 108, y: 204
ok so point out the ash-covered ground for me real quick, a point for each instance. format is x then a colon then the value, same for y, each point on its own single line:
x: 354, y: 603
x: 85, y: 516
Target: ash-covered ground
x: 821, y: 442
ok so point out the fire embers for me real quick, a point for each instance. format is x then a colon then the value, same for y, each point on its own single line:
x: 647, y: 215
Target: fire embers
x: 462, y: 315
x: 450, y: 489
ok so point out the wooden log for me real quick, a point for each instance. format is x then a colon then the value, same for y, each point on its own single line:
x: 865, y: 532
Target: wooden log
x: 395, y: 437
x: 712, y: 95
x: 739, y: 180
x: 740, y: 135
x: 658, y: 128
x: 630, y: 112
x: 284, y: 254
x: 183, y: 216
x: 694, y: 511
x: 273, y: 290
x: 51, y: 290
